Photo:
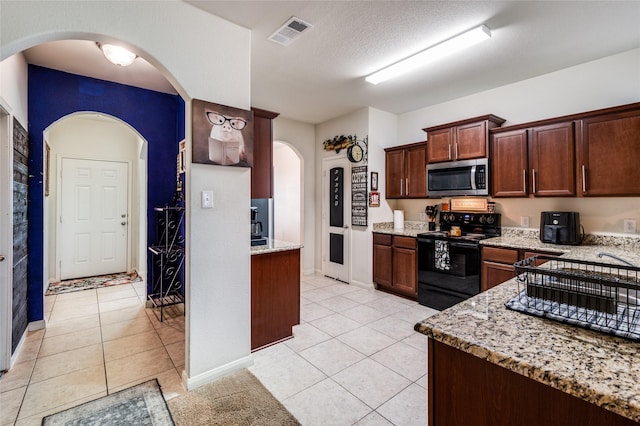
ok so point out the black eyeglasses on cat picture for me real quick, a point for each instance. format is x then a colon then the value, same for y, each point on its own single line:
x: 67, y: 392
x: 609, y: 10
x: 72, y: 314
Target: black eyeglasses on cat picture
x: 219, y: 119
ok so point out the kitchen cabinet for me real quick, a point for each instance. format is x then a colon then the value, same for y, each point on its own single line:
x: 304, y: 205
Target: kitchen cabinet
x: 275, y: 296
x: 395, y: 264
x: 609, y: 153
x: 405, y: 171
x: 261, y: 170
x: 497, y: 264
x: 461, y: 140
x: 539, y: 160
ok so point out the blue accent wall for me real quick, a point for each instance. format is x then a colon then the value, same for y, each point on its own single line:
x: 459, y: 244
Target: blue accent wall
x: 158, y: 117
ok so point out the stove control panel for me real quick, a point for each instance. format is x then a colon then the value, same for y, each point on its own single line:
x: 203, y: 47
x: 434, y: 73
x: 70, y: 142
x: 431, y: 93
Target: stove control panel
x: 457, y: 218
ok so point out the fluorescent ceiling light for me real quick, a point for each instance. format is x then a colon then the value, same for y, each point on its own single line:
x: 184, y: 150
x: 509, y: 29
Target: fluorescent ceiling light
x: 117, y: 55
x: 431, y: 54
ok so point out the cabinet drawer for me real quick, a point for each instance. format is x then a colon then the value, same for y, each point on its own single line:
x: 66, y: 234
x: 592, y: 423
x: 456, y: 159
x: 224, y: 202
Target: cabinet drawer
x: 500, y: 255
x: 404, y: 242
x: 528, y: 254
x: 383, y: 239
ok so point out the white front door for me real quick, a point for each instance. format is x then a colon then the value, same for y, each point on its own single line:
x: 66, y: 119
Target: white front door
x: 6, y: 239
x: 94, y: 218
x: 336, y: 215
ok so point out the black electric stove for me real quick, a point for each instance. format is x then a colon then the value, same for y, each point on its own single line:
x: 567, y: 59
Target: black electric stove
x: 449, y: 267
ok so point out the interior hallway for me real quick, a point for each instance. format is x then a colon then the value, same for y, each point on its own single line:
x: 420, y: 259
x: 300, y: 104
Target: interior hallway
x: 355, y: 358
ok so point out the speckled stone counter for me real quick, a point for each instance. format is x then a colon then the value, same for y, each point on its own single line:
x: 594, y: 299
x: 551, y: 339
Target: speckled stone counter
x: 411, y: 228
x: 273, y: 246
x: 598, y: 368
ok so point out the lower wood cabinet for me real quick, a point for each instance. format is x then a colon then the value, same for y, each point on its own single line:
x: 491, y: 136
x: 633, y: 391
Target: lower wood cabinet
x: 497, y: 264
x: 275, y: 296
x: 395, y: 266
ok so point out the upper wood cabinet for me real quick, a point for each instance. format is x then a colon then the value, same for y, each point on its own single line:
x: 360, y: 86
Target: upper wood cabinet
x: 261, y: 170
x: 539, y: 161
x: 461, y: 140
x: 609, y: 154
x: 406, y: 171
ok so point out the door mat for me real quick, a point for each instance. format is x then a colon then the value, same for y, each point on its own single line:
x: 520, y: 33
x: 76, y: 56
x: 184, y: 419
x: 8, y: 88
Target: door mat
x: 238, y: 399
x: 138, y: 405
x: 88, y: 283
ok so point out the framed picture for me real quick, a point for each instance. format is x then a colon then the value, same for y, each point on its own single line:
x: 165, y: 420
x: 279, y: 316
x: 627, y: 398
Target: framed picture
x: 222, y: 135
x: 374, y: 181
x: 374, y: 199
x: 182, y: 157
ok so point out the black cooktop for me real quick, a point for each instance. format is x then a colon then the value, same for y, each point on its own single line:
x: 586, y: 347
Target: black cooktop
x: 474, y: 226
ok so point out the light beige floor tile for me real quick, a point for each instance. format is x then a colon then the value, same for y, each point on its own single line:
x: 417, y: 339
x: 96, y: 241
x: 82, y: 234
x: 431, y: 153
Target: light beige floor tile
x: 409, y: 407
x: 318, y: 295
x: 366, y: 340
x: 313, y: 311
x: 122, y: 315
x: 72, y: 325
x: 172, y: 316
x: 36, y: 335
x: 340, y: 288
x: 70, y: 341
x: 176, y: 352
x: 388, y: 306
x: 29, y: 350
x: 415, y: 314
x: 417, y: 340
x: 335, y: 324
x: 67, y: 311
x: 60, y: 390
x: 331, y: 356
x: 68, y: 361
x: 126, y: 328
x: 10, y: 402
x: 36, y: 419
x: 373, y: 419
x: 363, y: 296
x: 135, y: 367
x: 131, y: 345
x: 114, y: 305
x: 170, y: 335
x: 287, y: 377
x: 372, y: 383
x: 326, y: 403
x: 305, y: 336
x: 338, y: 303
x: 85, y: 295
x: 18, y: 376
x: 403, y: 359
x: 107, y: 294
x: 363, y: 314
x: 393, y: 327
x: 170, y: 383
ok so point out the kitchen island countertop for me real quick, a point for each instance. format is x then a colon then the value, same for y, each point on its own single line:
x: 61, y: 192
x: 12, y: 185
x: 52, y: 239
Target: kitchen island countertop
x: 596, y: 367
x: 274, y: 246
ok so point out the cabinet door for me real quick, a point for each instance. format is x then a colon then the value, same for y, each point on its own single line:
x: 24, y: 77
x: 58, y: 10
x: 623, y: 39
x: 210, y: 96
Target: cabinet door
x: 261, y: 179
x: 405, y: 271
x: 609, y: 155
x: 394, y: 174
x: 495, y: 273
x: 471, y: 141
x: 509, y: 163
x: 439, y: 145
x: 416, y: 170
x: 382, y: 265
x: 552, y: 160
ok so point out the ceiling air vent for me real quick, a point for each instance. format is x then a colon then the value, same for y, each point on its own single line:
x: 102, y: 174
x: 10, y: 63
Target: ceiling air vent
x: 290, y: 31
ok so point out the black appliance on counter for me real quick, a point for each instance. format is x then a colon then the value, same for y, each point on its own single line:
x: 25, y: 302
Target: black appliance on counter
x: 449, y: 267
x: 256, y: 229
x: 560, y: 228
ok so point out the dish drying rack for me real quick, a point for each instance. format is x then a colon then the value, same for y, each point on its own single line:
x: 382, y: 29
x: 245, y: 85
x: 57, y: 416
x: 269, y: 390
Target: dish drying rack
x: 593, y: 295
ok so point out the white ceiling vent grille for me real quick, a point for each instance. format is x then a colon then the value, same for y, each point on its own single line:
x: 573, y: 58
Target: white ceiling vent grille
x: 290, y: 31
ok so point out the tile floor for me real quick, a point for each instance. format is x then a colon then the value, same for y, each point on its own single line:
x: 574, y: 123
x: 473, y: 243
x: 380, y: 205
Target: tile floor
x: 354, y: 360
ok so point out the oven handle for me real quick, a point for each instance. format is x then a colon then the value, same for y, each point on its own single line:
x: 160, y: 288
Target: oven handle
x: 451, y: 243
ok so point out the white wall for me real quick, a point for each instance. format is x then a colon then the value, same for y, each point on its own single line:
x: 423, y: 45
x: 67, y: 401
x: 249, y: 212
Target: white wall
x: 218, y: 260
x: 301, y: 136
x: 13, y: 86
x: 607, y: 82
x: 287, y: 196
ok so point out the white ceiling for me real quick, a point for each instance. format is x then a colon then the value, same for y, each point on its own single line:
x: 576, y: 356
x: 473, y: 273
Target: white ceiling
x: 321, y: 75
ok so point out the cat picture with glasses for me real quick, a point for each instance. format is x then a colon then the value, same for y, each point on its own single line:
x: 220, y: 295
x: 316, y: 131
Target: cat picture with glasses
x: 222, y: 135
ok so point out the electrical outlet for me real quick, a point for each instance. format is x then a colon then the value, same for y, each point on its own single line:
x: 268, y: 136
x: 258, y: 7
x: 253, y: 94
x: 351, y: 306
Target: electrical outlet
x: 524, y: 221
x: 630, y: 226
x: 423, y: 217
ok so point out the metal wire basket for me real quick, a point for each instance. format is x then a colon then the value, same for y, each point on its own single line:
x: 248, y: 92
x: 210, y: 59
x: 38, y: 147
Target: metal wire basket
x: 592, y: 295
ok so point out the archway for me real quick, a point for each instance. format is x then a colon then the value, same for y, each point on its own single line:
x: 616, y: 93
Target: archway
x: 288, y: 208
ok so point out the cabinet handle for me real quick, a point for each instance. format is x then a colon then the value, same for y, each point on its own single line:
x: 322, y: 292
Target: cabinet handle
x: 449, y: 151
x: 401, y: 187
x: 524, y: 181
x: 406, y: 186
x: 456, y: 150
x: 533, y: 179
x: 584, y: 179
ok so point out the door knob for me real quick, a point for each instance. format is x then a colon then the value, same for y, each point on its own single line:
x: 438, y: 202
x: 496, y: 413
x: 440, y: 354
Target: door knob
x: 1, y: 258
x: 123, y: 223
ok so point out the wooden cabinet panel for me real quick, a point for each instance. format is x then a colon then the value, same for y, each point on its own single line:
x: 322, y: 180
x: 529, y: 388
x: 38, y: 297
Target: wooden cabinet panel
x: 275, y: 296
x: 405, y: 271
x: 471, y: 141
x: 384, y: 239
x: 528, y: 254
x: 394, y: 173
x: 404, y: 242
x: 383, y: 265
x: 261, y: 170
x: 509, y: 163
x: 405, y: 171
x: 416, y: 163
x: 494, y: 274
x: 395, y: 264
x: 609, y: 155
x: 499, y: 254
x: 439, y: 145
x: 552, y: 160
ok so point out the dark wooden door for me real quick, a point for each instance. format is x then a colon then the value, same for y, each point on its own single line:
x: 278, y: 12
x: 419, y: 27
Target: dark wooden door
x: 509, y: 163
x: 552, y: 160
x: 394, y: 173
x: 471, y: 141
x: 416, y: 170
x: 439, y: 147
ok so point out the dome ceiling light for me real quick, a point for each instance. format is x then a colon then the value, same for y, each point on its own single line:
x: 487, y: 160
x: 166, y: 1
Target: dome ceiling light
x: 117, y: 55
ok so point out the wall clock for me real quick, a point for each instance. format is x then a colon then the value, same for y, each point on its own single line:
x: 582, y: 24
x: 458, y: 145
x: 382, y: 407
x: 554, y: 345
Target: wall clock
x: 355, y: 153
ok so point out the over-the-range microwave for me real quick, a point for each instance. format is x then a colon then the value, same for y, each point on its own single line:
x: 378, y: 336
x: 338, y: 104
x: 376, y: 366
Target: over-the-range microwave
x: 467, y: 177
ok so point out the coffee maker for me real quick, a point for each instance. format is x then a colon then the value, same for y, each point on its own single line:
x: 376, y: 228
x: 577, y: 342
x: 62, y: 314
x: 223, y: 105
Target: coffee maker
x: 256, y: 229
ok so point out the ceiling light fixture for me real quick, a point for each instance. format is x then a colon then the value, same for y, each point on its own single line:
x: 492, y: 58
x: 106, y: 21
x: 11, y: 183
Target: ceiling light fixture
x: 117, y: 55
x: 431, y: 54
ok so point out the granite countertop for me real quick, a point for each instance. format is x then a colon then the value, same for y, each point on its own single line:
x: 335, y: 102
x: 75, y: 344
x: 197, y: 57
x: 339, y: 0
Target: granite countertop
x: 274, y: 246
x: 411, y: 228
x: 590, y: 365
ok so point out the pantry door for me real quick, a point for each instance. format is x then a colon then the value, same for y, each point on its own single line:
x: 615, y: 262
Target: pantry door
x: 94, y: 218
x: 336, y: 217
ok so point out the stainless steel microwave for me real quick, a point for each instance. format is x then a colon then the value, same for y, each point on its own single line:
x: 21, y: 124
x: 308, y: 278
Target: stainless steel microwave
x: 468, y: 177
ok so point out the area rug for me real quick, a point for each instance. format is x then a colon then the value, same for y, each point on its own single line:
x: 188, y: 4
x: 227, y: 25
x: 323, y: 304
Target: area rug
x: 138, y: 405
x: 238, y: 399
x: 88, y: 283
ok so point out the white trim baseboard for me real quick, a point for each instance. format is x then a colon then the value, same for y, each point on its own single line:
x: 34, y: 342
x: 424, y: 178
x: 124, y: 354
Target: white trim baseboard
x: 37, y: 325
x: 209, y: 376
x: 366, y: 286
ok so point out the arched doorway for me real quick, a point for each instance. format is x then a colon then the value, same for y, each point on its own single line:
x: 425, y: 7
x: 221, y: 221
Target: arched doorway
x: 288, y: 167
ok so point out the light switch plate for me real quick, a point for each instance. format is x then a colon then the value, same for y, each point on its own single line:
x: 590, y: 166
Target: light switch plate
x: 207, y: 199
x: 630, y: 226
x: 524, y: 221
